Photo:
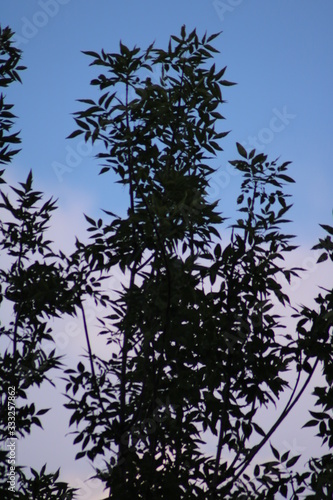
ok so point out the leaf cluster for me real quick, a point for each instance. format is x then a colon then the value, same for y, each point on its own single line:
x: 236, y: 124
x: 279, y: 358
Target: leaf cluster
x: 194, y: 323
x: 195, y: 346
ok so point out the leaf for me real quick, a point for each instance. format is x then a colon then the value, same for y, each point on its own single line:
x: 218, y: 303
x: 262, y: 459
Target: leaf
x: 91, y: 221
x: 82, y: 124
x: 104, y: 170
x: 319, y: 415
x: 275, y: 452
x: 43, y: 411
x: 123, y: 49
x: 241, y: 150
x: 322, y: 258
x: 29, y: 180
x: 260, y: 158
x: 87, y: 101
x: 258, y: 429
x: 307, y: 367
x: 91, y: 54
x: 327, y: 228
x: 74, y: 134
x: 310, y: 423
x: 292, y: 461
x: 212, y: 37
x: 211, y: 48
x: 78, y: 438
x: 225, y: 83
x: 285, y: 178
x: 217, y: 251
x: 37, y: 422
x: 284, y: 490
x: 220, y: 73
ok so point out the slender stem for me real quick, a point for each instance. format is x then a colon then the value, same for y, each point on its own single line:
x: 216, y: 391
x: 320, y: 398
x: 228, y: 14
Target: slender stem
x: 138, y: 269
x: 18, y: 314
x: 251, y: 214
x: 125, y: 347
x: 85, y: 327
x: 132, y: 278
x: 224, y: 422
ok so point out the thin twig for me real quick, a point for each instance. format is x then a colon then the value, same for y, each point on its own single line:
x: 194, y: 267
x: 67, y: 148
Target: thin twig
x: 283, y: 415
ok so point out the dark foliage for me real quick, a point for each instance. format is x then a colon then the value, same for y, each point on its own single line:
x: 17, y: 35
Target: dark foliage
x: 197, y: 348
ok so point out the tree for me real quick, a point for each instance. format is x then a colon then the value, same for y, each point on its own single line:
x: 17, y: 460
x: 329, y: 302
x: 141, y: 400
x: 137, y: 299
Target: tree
x: 194, y: 326
x: 33, y: 285
x: 193, y: 336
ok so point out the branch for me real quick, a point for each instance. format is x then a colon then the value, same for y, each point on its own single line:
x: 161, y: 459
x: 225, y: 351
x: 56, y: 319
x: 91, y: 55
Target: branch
x: 289, y: 406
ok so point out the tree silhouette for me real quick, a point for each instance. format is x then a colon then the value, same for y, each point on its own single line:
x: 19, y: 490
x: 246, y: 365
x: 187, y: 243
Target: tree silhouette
x: 195, y: 341
x: 33, y: 285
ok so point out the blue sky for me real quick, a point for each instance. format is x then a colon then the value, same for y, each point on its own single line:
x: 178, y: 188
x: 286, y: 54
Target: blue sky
x: 279, y: 53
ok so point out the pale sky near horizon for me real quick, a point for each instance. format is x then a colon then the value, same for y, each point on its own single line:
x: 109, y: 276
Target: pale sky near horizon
x: 280, y: 55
